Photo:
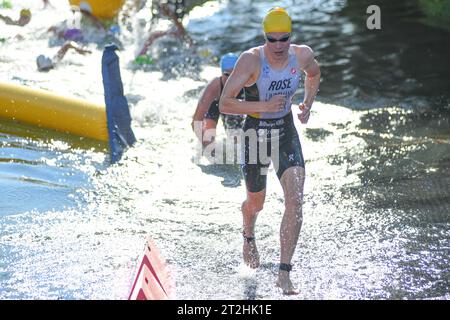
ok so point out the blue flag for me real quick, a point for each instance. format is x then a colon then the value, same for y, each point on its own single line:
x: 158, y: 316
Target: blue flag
x: 118, y: 116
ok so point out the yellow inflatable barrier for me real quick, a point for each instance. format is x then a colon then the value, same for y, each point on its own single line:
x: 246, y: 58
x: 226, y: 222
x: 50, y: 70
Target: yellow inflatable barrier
x: 49, y: 110
x: 106, y: 9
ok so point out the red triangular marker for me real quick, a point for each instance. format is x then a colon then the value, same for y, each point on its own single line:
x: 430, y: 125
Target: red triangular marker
x: 152, y: 281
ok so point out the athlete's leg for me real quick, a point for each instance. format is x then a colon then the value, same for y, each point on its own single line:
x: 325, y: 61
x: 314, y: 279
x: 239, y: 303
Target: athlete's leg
x: 292, y: 181
x: 250, y: 209
x: 255, y: 182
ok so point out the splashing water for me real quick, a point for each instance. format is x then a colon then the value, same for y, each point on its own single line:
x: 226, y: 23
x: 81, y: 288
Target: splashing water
x: 72, y: 226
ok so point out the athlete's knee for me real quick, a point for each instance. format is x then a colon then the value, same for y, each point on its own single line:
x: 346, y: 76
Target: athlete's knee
x: 294, y: 202
x: 253, y: 205
x: 295, y: 212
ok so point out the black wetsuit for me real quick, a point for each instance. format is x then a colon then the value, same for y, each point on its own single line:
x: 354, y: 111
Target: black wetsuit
x: 275, y: 132
x: 287, y: 143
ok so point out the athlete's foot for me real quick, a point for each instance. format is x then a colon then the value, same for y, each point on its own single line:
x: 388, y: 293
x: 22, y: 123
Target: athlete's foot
x: 285, y: 283
x: 250, y: 252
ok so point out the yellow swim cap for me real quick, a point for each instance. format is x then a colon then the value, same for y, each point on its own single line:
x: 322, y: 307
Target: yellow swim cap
x: 25, y: 12
x: 277, y: 20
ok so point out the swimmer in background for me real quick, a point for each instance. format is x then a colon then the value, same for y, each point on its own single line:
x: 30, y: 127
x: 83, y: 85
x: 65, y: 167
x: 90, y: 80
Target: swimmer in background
x: 175, y: 10
x: 24, y: 19
x: 207, y: 113
x: 45, y: 63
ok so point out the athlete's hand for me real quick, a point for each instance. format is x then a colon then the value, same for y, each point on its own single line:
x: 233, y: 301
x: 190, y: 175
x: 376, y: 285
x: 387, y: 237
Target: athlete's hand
x: 303, y: 116
x: 276, y: 103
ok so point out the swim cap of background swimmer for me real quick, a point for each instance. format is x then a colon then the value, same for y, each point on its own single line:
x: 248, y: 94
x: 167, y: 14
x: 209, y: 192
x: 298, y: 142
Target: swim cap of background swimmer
x: 25, y: 12
x: 277, y: 20
x: 228, y: 61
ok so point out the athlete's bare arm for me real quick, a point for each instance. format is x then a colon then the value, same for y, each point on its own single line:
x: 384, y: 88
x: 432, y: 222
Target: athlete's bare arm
x: 310, y: 66
x: 245, y: 73
x: 211, y: 93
